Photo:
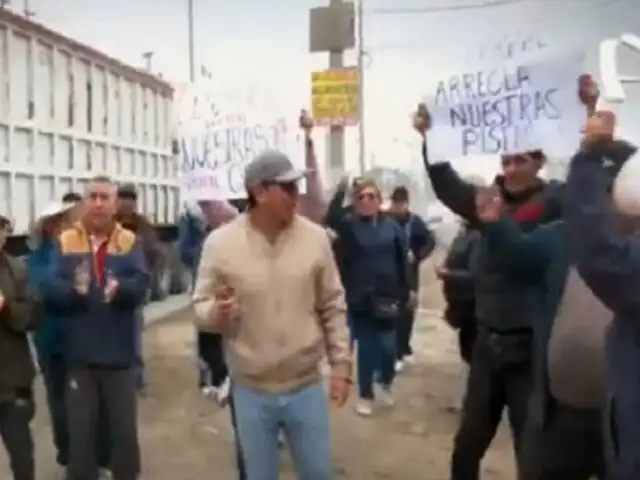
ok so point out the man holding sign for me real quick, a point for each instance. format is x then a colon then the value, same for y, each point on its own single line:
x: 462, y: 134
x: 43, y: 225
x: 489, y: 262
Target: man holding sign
x: 500, y: 369
x: 508, y: 109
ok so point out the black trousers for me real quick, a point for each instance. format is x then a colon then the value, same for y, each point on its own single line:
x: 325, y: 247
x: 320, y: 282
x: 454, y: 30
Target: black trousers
x: 87, y: 387
x: 242, y: 471
x: 569, y: 446
x: 499, y: 377
x: 211, y: 352
x: 54, y: 375
x: 15, y: 419
x: 404, y: 332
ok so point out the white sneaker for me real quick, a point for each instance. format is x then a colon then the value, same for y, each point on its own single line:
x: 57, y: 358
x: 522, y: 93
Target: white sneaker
x: 410, y: 360
x: 222, y: 392
x: 363, y: 408
x: 207, y: 391
x: 105, y: 474
x: 386, y: 397
x: 399, y: 366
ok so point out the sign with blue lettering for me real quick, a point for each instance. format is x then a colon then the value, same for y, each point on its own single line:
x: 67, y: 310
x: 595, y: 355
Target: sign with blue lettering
x: 218, y: 140
x: 508, y: 109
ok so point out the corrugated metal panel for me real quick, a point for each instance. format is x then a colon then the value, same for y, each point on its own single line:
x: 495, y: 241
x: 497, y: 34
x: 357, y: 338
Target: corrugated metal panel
x: 4, y: 145
x: 4, y: 67
x: 44, y: 94
x: 19, y: 49
x: 65, y: 118
x: 5, y: 193
x: 23, y: 204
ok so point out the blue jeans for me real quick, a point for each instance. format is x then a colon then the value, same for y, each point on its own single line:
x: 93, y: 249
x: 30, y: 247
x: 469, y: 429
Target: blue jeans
x: 302, y: 414
x: 376, y: 353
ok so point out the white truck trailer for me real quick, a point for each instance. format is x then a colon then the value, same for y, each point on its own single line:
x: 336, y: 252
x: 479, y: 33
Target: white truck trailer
x: 69, y: 112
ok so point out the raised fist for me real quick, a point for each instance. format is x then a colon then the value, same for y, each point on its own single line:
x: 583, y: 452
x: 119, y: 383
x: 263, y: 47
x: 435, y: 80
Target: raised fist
x: 306, y: 121
x: 421, y: 119
x: 588, y: 91
x: 600, y: 127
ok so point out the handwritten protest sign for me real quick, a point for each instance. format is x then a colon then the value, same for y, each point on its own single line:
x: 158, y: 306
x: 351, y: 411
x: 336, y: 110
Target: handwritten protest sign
x: 218, y: 139
x: 508, y: 109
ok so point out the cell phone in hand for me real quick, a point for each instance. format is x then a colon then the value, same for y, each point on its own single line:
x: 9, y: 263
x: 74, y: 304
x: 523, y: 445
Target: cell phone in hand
x: 423, y: 112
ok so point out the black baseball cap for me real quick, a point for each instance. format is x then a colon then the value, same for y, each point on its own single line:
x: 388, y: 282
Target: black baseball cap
x: 127, y: 191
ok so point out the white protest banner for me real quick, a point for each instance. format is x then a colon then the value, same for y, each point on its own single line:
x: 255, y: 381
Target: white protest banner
x: 508, y: 109
x: 219, y: 137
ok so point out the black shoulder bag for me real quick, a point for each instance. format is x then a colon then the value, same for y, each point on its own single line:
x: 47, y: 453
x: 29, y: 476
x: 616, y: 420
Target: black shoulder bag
x: 385, y: 308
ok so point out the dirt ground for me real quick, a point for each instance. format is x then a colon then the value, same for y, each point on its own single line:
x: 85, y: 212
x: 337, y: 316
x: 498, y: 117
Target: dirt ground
x: 185, y: 437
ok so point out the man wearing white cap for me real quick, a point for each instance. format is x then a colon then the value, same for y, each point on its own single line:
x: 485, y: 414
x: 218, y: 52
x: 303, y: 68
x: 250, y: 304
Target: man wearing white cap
x: 49, y: 338
x: 268, y: 282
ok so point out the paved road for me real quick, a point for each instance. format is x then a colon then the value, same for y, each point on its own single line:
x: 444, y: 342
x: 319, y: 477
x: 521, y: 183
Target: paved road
x: 185, y: 437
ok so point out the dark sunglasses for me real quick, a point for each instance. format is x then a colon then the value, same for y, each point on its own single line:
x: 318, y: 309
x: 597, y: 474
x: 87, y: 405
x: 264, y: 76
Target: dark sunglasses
x: 289, y: 188
x: 367, y: 196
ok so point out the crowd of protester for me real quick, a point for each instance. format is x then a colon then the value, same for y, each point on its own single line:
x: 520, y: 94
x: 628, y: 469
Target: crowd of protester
x: 540, y: 283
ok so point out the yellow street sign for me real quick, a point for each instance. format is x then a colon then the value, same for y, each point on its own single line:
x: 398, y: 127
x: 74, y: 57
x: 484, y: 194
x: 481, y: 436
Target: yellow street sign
x: 334, y: 96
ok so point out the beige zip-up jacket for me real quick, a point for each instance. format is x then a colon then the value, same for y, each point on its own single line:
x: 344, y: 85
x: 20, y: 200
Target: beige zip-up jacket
x: 292, y: 306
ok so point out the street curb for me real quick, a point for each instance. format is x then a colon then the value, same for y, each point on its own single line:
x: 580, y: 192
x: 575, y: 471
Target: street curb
x: 158, y: 311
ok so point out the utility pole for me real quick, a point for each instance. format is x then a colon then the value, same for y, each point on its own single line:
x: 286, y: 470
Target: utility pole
x: 336, y: 132
x: 148, y: 60
x: 331, y: 29
x: 362, y: 150
x: 26, y: 10
x: 192, y: 53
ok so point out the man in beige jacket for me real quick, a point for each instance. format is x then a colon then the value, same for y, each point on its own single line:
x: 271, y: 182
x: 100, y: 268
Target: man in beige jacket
x: 268, y: 282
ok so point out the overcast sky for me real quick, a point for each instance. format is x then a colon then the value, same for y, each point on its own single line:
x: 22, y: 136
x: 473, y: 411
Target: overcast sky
x: 263, y: 44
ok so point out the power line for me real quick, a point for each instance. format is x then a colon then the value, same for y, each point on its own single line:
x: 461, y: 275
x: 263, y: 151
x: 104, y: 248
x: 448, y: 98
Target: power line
x: 441, y: 9
x: 472, y: 6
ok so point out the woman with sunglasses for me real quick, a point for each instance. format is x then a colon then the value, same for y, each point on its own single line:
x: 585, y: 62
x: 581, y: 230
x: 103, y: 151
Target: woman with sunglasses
x: 376, y: 280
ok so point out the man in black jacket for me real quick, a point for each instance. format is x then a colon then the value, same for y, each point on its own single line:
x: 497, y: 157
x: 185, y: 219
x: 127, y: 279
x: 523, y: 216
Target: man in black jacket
x: 421, y: 245
x: 17, y: 317
x: 500, y: 371
x: 458, y: 273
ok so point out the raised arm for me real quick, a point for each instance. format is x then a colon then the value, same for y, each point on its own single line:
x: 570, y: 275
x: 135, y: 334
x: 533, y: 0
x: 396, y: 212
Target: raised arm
x: 456, y: 194
x: 312, y: 204
x: 336, y: 213
x: 608, y: 261
x: 217, y: 212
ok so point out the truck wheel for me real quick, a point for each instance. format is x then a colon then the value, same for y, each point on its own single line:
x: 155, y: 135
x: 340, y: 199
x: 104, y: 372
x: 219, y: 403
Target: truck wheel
x: 160, y: 283
x: 178, y: 281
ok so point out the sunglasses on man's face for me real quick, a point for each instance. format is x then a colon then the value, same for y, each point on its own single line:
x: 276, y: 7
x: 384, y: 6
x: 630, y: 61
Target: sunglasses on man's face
x: 290, y: 188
